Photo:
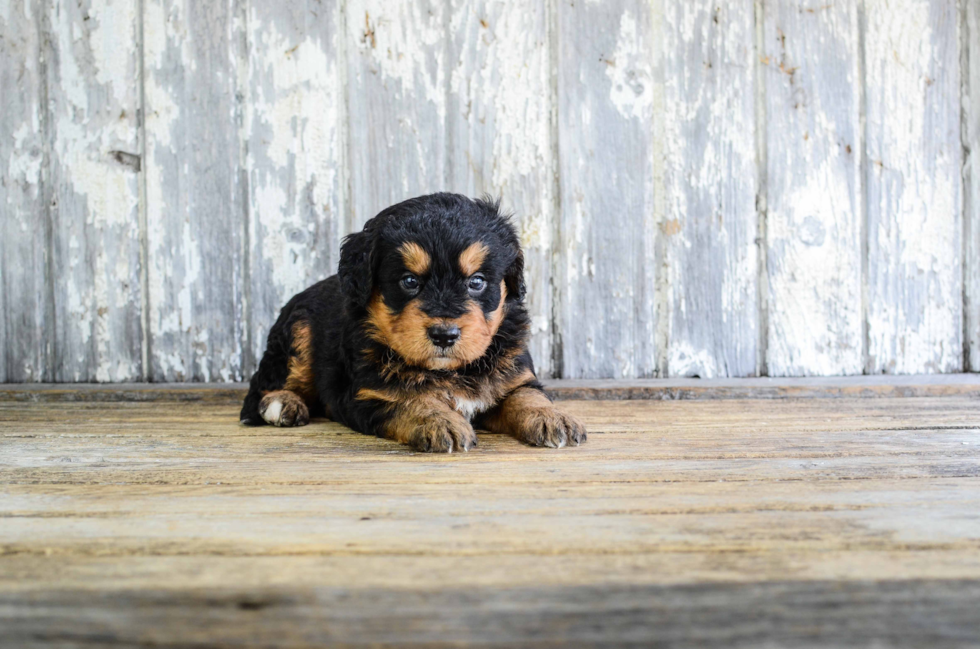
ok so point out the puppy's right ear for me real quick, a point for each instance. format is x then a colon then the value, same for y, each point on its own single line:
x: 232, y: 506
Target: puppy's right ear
x: 356, y: 270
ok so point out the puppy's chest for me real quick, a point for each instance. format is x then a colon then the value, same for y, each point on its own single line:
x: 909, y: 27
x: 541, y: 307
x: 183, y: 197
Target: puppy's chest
x: 469, y: 397
x: 469, y: 407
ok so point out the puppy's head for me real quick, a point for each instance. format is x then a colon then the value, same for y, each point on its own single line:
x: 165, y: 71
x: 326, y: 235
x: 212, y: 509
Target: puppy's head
x: 434, y: 276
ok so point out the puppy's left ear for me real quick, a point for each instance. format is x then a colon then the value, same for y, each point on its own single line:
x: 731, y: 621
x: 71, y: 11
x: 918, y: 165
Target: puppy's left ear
x: 356, y: 269
x: 514, y: 277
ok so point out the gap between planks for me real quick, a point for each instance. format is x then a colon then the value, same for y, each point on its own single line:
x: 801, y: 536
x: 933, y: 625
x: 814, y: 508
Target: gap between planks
x: 926, y: 385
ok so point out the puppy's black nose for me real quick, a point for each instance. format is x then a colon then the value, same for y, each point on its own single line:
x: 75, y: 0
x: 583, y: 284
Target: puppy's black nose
x: 443, y: 335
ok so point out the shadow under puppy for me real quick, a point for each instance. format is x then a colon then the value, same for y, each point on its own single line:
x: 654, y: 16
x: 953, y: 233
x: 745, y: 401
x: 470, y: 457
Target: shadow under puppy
x: 421, y: 335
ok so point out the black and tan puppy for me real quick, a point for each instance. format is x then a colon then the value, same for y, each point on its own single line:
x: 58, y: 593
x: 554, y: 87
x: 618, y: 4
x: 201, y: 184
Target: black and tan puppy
x: 421, y: 336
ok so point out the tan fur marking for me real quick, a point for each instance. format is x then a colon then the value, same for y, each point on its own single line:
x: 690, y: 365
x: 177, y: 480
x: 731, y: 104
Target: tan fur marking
x: 516, y: 410
x: 406, y: 332
x: 300, y: 378
x: 429, y: 423
x: 523, y: 378
x: 527, y: 414
x: 416, y: 259
x: 477, y: 329
x: 471, y: 259
x: 367, y: 394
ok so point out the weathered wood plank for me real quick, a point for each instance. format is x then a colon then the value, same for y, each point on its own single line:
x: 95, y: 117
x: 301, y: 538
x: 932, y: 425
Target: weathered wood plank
x: 93, y: 99
x: 711, y: 185
x: 192, y: 520
x: 25, y: 324
x: 396, y: 87
x: 971, y: 214
x: 296, y: 140
x: 500, y: 132
x: 819, y: 442
x: 145, y: 523
x: 605, y: 265
x: 230, y: 238
x: 815, y: 200
x: 194, y: 194
x: 887, y: 613
x: 915, y: 276
x: 135, y: 572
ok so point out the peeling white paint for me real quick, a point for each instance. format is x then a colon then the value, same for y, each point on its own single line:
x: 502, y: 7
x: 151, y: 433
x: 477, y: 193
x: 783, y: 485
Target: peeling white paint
x: 397, y: 91
x: 501, y: 141
x: 814, y: 206
x: 971, y: 231
x: 23, y: 327
x: 25, y: 162
x: 114, y: 29
x: 915, y: 299
x: 93, y: 113
x: 631, y: 79
x: 710, y: 184
x: 195, y: 203
x: 295, y: 152
x: 399, y: 39
x: 686, y: 360
x: 607, y: 146
x: 296, y: 100
x: 644, y: 133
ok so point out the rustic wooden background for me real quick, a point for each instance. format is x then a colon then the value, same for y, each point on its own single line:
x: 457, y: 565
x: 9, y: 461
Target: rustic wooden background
x: 704, y: 188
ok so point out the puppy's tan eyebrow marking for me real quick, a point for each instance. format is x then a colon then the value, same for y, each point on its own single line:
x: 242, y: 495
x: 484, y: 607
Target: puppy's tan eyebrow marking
x: 416, y: 259
x: 471, y: 259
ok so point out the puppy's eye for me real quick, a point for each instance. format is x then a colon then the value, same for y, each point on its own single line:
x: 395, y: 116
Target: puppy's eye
x: 477, y: 283
x: 410, y: 283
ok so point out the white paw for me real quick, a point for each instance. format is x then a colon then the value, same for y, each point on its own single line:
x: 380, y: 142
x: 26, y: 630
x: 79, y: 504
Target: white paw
x: 284, y: 408
x: 273, y: 413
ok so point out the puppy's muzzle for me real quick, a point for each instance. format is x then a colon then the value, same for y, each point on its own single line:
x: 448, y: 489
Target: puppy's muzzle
x: 443, y: 336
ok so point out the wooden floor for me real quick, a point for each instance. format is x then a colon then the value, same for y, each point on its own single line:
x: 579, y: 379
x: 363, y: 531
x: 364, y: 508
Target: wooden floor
x: 714, y: 523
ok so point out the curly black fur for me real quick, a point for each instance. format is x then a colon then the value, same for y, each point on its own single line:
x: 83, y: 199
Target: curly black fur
x: 358, y: 377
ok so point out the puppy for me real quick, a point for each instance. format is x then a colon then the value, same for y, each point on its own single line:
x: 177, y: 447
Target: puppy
x: 421, y: 336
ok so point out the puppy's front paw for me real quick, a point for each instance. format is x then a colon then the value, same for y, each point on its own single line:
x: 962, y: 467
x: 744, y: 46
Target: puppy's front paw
x: 443, y: 435
x: 284, y: 408
x: 550, y: 427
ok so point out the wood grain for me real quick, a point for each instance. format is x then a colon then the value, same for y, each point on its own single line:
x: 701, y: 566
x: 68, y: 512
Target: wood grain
x: 815, y: 194
x: 971, y: 214
x: 26, y: 326
x: 500, y: 129
x: 295, y: 138
x: 93, y: 98
x: 811, y: 522
x: 913, y: 176
x: 194, y: 194
x: 396, y: 89
x: 605, y: 265
x: 711, y: 186
x: 854, y: 614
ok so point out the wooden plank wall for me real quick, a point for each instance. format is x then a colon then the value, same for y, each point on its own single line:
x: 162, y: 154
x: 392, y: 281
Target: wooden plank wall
x: 26, y: 329
x: 913, y: 186
x: 753, y: 187
x: 970, y: 70
x: 814, y: 214
x: 710, y: 225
